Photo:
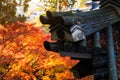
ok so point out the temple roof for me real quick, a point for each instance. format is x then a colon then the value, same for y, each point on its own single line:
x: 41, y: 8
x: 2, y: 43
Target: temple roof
x: 99, y: 19
x: 91, y: 21
x: 114, y: 2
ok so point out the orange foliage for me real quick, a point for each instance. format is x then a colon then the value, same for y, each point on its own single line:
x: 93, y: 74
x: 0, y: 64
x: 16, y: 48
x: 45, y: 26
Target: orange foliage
x: 22, y: 55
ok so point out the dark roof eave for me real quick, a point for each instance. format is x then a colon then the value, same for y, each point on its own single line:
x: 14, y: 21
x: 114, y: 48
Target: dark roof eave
x: 64, y: 28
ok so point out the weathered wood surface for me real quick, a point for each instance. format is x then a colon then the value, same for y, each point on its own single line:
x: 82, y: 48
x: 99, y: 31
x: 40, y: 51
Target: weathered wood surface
x: 89, y: 24
x: 91, y: 21
x: 76, y: 55
x: 87, y: 17
x: 97, y: 27
x: 114, y: 2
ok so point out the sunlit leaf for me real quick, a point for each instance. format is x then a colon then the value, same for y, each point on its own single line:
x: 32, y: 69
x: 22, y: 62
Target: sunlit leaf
x: 22, y: 55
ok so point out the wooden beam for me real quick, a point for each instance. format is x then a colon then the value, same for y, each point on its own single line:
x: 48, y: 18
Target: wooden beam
x: 111, y: 55
x: 76, y: 55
